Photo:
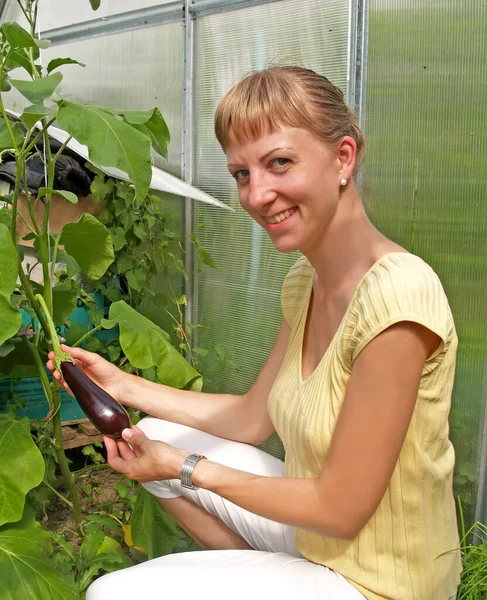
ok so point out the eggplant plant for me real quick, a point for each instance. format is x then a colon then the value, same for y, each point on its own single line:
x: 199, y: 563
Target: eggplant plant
x: 29, y: 310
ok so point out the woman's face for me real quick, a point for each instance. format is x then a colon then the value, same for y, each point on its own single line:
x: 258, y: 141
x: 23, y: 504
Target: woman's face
x: 288, y: 181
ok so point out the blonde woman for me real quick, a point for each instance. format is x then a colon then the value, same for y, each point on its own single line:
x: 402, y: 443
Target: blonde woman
x: 358, y: 386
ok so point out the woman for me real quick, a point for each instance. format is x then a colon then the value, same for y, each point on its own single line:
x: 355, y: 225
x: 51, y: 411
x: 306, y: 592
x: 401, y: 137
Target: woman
x: 358, y: 386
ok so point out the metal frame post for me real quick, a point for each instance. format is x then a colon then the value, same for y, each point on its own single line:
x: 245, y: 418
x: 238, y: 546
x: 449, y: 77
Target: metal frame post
x: 358, y: 33
x: 187, y: 150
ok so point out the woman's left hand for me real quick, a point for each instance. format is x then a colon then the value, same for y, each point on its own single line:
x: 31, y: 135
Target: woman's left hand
x: 144, y: 459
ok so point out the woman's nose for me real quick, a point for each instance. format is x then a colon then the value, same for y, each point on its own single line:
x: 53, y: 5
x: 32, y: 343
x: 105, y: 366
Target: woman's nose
x: 260, y: 193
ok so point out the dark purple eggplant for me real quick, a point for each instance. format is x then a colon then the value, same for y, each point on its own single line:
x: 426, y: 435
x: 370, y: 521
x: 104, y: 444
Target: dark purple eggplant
x: 103, y: 411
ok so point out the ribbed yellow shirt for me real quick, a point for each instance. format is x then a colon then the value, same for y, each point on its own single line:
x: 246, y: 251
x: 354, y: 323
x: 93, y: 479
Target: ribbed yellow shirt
x: 395, y: 555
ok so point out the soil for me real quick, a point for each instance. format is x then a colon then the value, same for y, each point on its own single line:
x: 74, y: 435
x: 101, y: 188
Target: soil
x: 97, y: 489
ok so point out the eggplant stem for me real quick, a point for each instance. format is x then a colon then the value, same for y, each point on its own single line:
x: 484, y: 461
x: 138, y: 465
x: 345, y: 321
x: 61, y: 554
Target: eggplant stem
x: 60, y: 356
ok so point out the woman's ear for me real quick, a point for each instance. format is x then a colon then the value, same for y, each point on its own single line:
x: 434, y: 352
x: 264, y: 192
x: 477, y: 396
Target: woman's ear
x: 347, y: 156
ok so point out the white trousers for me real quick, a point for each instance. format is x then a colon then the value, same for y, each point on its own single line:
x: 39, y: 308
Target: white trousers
x: 275, y: 569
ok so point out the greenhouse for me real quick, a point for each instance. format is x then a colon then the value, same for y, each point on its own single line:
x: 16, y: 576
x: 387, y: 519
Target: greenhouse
x: 144, y: 226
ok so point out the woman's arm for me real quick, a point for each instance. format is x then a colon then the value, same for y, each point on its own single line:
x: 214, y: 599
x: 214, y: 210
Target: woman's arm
x: 242, y: 418
x: 368, y: 437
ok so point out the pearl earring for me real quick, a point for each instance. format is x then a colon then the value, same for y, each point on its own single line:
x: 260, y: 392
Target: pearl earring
x: 343, y: 182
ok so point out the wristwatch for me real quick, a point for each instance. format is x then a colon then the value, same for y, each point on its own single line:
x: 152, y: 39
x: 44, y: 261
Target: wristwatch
x: 187, y: 470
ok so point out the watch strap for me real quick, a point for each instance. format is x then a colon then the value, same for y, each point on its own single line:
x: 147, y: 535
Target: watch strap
x: 187, y: 470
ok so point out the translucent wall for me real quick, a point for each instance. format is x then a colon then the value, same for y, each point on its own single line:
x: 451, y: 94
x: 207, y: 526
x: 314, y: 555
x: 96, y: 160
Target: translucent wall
x: 239, y: 303
x: 426, y: 170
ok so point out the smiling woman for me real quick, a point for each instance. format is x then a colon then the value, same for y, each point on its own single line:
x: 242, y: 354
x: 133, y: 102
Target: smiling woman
x: 358, y: 387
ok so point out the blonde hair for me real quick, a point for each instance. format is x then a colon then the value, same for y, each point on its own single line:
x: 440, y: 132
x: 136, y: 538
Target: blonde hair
x: 285, y: 95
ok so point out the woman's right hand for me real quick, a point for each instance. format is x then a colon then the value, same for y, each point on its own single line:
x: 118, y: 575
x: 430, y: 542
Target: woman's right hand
x: 103, y: 373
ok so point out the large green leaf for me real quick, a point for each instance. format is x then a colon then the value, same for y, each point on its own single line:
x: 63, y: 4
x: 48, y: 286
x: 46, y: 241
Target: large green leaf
x: 5, y: 138
x: 152, y: 124
x: 17, y: 36
x: 148, y: 518
x: 21, y: 468
x: 27, y: 571
x: 39, y: 90
x: 145, y: 344
x: 64, y: 297
x: 89, y: 242
x: 110, y: 141
x: 10, y: 318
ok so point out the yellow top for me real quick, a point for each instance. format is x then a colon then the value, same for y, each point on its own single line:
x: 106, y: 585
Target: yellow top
x: 394, y: 556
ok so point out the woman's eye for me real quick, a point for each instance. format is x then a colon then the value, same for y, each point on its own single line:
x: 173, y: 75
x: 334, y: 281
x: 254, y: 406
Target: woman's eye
x: 242, y: 174
x: 281, y: 162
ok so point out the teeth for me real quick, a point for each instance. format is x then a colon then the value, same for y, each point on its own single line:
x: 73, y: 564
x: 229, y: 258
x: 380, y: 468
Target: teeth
x: 282, y: 216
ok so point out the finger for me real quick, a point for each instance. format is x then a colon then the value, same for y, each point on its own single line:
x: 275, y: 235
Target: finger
x: 116, y: 462
x: 139, y: 431
x: 135, y: 439
x: 125, y: 451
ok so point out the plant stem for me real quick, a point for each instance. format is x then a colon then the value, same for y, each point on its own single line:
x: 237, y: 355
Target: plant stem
x: 46, y: 386
x: 62, y: 460
x: 58, y: 494
x: 56, y: 346
x: 89, y: 468
x: 30, y: 295
x: 87, y: 335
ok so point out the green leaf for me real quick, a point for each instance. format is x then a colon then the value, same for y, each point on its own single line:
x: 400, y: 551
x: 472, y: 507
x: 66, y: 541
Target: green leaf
x: 28, y: 573
x: 34, y: 113
x: 145, y: 344
x: 136, y: 278
x: 140, y: 231
x: 19, y: 59
x: 58, y: 62
x: 10, y: 318
x: 149, y: 517
x: 43, y: 44
x: 88, y: 241
x: 39, y: 90
x: 152, y: 124
x: 95, y: 4
x: 17, y: 36
x: 64, y: 298
x: 21, y: 468
x: 5, y: 139
x: 6, y: 349
x: 118, y: 238
x: 73, y: 198
x: 100, y: 188
x: 110, y: 141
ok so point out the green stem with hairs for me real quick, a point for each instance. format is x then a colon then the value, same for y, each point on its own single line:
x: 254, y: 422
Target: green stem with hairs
x: 60, y: 356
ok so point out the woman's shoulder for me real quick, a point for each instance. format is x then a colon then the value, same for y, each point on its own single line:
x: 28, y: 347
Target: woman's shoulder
x: 401, y: 273
x: 296, y: 288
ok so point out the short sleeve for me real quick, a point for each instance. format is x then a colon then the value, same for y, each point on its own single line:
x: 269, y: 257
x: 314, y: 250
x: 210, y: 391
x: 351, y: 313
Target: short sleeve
x: 400, y: 287
x: 296, y: 289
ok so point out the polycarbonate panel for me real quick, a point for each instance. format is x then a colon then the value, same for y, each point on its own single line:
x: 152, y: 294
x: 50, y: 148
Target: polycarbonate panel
x: 238, y: 304
x: 426, y: 171
x: 59, y: 13
x: 133, y: 70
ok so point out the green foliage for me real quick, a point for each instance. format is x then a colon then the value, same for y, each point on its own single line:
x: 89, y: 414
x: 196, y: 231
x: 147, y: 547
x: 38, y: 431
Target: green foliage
x: 10, y: 318
x: 156, y: 349
x: 98, y: 552
x: 116, y: 254
x: 26, y: 567
x: 149, y: 516
x: 90, y: 244
x: 21, y: 467
x: 111, y: 142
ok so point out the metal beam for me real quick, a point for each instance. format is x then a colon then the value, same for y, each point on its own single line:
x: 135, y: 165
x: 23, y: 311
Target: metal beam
x: 2, y: 6
x: 203, y: 8
x: 187, y: 166
x: 134, y: 19
x: 358, y: 32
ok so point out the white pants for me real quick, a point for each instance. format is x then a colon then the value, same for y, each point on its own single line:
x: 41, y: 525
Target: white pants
x: 276, y: 570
